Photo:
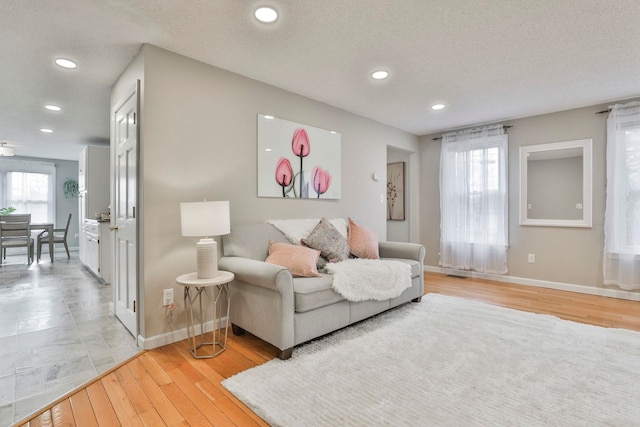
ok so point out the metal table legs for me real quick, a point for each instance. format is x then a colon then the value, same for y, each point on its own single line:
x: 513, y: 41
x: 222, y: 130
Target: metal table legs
x: 218, y: 343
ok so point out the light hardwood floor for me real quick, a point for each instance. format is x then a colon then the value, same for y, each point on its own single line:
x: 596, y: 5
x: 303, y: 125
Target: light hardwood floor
x: 166, y: 386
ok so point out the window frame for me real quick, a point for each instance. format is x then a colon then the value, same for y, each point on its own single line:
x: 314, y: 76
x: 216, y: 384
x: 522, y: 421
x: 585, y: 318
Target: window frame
x: 29, y: 166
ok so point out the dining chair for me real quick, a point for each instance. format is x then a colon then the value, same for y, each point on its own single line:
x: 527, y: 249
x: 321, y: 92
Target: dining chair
x: 57, y: 238
x: 15, y: 232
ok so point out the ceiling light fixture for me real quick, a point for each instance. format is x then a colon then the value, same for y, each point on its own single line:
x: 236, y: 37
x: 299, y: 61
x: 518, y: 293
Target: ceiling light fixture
x: 6, y: 151
x: 52, y: 107
x: 46, y: 130
x: 66, y: 63
x: 380, y: 75
x: 266, y: 14
x: 437, y: 106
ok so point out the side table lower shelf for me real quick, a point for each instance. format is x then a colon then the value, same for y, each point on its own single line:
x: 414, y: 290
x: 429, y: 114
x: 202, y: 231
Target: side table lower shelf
x: 193, y: 290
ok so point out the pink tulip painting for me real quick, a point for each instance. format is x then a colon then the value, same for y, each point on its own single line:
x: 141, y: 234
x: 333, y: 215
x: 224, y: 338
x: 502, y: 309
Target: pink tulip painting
x: 284, y: 174
x: 300, y: 143
x: 321, y: 180
x: 301, y: 148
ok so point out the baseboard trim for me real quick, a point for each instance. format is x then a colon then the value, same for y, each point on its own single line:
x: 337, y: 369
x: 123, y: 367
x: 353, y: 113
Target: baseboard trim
x: 148, y: 343
x: 582, y: 289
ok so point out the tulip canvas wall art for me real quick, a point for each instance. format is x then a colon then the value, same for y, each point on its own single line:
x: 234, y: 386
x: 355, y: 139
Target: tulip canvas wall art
x: 297, y: 161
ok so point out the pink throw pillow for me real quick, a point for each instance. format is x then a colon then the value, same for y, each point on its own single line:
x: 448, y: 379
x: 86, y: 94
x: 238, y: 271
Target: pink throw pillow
x: 363, y: 243
x: 300, y: 260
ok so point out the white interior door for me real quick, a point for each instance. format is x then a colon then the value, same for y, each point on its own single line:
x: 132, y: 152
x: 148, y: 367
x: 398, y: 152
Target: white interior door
x: 123, y: 212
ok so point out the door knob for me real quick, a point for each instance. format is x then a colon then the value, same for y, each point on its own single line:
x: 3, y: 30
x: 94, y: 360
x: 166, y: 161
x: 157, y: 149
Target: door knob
x: 113, y: 228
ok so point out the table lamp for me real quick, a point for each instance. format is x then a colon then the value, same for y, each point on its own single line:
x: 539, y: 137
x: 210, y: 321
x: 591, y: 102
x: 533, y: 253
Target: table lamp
x: 205, y: 219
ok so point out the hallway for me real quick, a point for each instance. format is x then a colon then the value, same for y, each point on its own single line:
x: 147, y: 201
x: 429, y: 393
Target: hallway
x: 56, y: 332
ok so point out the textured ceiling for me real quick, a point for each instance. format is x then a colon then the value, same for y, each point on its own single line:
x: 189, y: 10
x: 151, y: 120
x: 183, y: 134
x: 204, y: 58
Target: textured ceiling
x: 486, y: 60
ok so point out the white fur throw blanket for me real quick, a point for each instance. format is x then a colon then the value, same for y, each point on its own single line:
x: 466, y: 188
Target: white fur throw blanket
x: 369, y: 279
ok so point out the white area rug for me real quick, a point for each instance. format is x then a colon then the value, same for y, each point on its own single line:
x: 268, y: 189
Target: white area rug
x: 449, y: 361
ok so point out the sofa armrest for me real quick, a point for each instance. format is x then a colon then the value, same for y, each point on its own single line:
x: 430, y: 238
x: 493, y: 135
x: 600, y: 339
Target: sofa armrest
x: 262, y: 300
x: 259, y: 273
x: 402, y: 250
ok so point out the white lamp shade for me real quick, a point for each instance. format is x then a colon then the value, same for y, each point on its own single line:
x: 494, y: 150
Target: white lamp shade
x: 205, y: 218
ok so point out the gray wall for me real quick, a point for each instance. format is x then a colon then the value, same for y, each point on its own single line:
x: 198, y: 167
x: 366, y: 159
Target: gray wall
x: 199, y: 140
x: 66, y: 169
x: 554, y: 188
x: 567, y: 255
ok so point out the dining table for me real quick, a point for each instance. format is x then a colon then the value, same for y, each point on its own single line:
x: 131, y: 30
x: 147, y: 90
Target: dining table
x: 49, y: 228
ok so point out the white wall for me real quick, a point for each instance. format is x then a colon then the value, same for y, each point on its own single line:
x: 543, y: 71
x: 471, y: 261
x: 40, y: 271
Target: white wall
x: 199, y: 140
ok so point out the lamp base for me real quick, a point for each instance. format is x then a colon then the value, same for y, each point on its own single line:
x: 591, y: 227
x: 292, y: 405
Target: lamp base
x: 207, y: 258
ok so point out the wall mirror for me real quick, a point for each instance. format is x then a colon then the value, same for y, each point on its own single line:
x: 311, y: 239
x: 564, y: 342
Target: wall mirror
x: 555, y: 184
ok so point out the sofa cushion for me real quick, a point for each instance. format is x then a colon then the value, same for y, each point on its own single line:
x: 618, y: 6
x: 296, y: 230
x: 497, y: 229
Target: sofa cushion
x: 297, y: 229
x: 251, y: 240
x: 363, y: 243
x: 415, y: 265
x: 301, y: 261
x: 327, y: 239
x: 314, y: 292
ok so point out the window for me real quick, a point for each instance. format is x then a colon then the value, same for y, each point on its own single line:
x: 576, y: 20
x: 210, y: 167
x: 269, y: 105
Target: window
x: 632, y: 217
x: 473, y: 200
x: 29, y: 187
x: 622, y: 212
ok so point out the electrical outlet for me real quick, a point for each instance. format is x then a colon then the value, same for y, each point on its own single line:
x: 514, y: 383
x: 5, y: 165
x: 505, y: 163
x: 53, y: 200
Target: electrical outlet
x: 531, y: 258
x: 167, y: 297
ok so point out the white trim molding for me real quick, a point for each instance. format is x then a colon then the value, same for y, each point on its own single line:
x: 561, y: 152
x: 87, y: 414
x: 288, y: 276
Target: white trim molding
x: 156, y: 341
x: 582, y: 289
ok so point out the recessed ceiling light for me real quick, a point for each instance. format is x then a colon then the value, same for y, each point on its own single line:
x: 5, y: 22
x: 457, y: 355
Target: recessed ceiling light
x: 6, y: 151
x: 66, y: 63
x: 437, y: 106
x: 46, y: 130
x: 266, y: 14
x: 380, y: 74
x: 269, y: 117
x: 52, y: 107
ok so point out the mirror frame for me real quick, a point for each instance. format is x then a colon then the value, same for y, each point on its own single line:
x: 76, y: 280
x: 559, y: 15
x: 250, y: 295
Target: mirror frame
x: 587, y: 179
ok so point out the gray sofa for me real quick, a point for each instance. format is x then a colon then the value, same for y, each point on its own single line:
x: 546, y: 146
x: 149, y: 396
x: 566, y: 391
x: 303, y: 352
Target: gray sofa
x: 268, y: 302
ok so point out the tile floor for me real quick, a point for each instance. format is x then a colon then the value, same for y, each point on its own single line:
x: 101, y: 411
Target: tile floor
x: 56, y: 332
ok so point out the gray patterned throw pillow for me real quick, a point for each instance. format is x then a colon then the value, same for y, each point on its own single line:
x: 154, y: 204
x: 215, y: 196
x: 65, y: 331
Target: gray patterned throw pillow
x: 328, y: 240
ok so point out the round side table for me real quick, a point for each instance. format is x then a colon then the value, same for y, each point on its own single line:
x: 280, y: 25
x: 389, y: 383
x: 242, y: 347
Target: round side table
x: 193, y: 290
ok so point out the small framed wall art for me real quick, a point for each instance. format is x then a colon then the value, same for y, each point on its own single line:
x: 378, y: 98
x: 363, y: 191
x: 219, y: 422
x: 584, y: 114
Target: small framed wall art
x: 395, y: 191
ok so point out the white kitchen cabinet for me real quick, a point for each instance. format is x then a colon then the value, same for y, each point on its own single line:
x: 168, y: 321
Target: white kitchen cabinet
x: 97, y: 248
x: 106, y: 248
x: 93, y: 200
x: 92, y: 246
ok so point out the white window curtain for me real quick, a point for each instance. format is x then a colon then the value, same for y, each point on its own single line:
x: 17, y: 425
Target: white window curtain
x: 622, y: 212
x: 29, y: 187
x: 473, y: 200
